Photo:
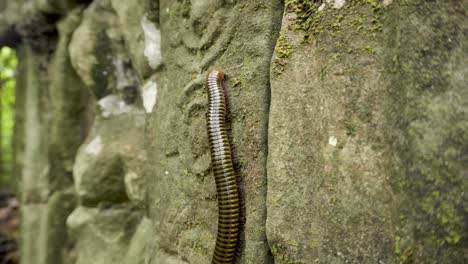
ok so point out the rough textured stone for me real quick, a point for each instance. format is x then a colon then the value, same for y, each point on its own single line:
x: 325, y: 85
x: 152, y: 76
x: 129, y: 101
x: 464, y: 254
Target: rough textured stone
x: 138, y: 246
x: 34, y: 184
x: 15, y: 11
x: 33, y: 233
x: 59, y: 247
x: 69, y: 99
x: 351, y: 136
x: 198, y: 35
x: 97, y: 48
x: 103, y: 234
x: 430, y: 71
x: 46, y: 160
x: 352, y: 176
x: 107, y: 170
x: 112, y: 147
x: 20, y: 115
x: 133, y: 17
x: 55, y: 6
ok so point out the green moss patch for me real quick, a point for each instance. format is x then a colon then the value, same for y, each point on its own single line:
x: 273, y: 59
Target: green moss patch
x: 360, y: 16
x: 283, y: 51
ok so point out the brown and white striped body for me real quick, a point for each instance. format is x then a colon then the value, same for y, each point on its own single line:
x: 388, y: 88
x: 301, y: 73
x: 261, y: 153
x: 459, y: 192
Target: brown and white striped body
x: 224, y: 171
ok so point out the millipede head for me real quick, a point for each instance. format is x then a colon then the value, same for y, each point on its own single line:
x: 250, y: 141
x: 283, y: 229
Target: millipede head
x: 220, y: 73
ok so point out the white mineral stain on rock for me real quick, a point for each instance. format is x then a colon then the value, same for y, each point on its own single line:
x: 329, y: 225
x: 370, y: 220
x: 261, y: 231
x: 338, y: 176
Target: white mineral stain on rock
x: 94, y: 147
x: 113, y: 105
x: 152, y: 42
x: 387, y: 2
x: 339, y: 3
x: 134, y: 185
x: 149, y: 94
x: 336, y: 3
x: 332, y: 141
x: 321, y: 7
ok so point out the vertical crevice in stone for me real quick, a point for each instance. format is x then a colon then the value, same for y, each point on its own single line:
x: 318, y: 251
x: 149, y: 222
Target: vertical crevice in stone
x: 276, y: 29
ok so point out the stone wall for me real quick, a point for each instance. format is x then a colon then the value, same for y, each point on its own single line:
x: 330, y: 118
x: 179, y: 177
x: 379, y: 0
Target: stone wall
x: 350, y: 119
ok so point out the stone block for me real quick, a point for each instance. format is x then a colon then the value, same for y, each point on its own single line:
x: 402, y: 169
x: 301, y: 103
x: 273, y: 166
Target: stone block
x: 103, y: 235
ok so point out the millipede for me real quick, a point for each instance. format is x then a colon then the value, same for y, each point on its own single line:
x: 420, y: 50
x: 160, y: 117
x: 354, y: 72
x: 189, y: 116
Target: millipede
x: 225, y: 170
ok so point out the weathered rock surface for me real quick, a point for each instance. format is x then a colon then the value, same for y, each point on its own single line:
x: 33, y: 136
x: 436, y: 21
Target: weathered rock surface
x: 95, y: 45
x: 34, y: 233
x: 56, y: 6
x: 107, y: 171
x: 142, y: 36
x: 329, y: 185
x: 34, y: 183
x: 114, y: 145
x: 69, y: 100
x: 103, y: 234
x: 198, y: 35
x: 361, y: 173
x: 351, y: 132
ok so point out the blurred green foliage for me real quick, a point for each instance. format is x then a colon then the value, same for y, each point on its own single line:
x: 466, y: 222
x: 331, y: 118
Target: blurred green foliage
x: 8, y: 64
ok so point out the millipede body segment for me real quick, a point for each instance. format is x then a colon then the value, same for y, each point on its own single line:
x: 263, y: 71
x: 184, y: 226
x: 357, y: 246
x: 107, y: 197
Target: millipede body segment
x: 223, y: 165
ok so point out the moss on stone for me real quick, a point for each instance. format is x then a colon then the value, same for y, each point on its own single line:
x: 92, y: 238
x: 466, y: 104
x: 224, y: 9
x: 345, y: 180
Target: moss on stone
x: 283, y: 51
x: 308, y: 18
x: 427, y: 71
x: 60, y: 205
x: 364, y: 16
x: 67, y: 131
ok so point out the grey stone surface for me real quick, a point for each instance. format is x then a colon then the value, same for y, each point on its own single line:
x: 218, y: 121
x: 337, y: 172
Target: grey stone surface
x: 138, y: 24
x: 351, y: 132
x: 197, y: 36
x: 15, y: 11
x: 96, y: 46
x: 103, y: 234
x: 138, y: 246
x: 69, y: 102
x: 33, y: 234
x: 432, y: 146
x: 113, y: 147
x: 59, y: 246
x: 107, y: 171
x: 55, y: 6
x: 33, y: 183
x: 49, y: 148
x: 357, y: 175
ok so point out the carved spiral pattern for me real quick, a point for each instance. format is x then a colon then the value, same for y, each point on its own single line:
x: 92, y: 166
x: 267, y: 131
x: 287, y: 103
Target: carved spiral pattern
x: 227, y: 241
